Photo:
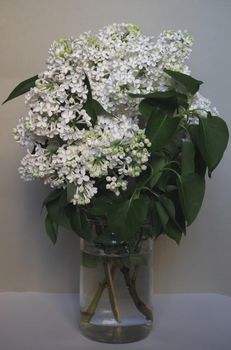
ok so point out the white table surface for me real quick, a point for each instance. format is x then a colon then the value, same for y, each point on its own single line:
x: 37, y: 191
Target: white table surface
x: 44, y: 321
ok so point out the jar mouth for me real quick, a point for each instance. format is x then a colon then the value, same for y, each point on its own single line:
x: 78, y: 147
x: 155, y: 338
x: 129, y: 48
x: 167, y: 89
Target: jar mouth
x: 122, y: 249
x: 105, y: 242
x: 105, y: 249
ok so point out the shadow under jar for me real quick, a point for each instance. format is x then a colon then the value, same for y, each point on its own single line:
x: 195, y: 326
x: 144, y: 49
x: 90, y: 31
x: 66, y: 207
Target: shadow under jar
x: 116, y: 291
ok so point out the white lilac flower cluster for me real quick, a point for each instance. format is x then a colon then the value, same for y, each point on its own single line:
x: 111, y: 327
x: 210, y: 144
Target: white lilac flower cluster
x: 112, y: 150
x: 68, y: 148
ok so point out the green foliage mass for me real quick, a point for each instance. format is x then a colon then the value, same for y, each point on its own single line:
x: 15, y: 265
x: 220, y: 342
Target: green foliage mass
x: 167, y: 197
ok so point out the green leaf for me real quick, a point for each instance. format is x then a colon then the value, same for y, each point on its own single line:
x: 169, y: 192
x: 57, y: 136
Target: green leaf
x: 158, y: 95
x: 100, y: 206
x: 88, y: 105
x: 154, y: 229
x: 190, y: 84
x: 93, y: 107
x: 71, y: 190
x: 187, y: 157
x: 53, y: 195
x: 22, y: 88
x: 163, y: 215
x: 87, y: 83
x: 146, y: 107
x: 176, y: 223
x: 191, y: 193
x: 57, y: 210
x: 157, y: 167
x: 180, y: 220
x: 170, y: 99
x: 167, y: 214
x: 160, y: 130
x: 168, y: 204
x: 151, y: 108
x: 211, y: 137
x: 200, y: 166
x: 51, y: 229
x: 126, y: 217
x: 173, y: 231
x: 172, y: 148
x: 150, y: 180
x: 79, y: 222
x: 99, y: 110
x: 170, y: 188
x: 88, y: 260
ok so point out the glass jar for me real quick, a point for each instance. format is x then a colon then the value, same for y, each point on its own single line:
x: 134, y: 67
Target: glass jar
x: 116, y: 292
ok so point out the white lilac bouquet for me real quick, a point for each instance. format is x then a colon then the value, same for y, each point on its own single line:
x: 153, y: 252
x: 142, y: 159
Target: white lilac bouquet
x: 117, y: 128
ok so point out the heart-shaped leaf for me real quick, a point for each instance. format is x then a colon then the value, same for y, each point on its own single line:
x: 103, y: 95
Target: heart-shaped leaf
x: 211, y: 137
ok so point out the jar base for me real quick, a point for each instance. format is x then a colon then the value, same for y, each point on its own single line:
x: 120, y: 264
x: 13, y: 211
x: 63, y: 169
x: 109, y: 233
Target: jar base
x: 116, y: 334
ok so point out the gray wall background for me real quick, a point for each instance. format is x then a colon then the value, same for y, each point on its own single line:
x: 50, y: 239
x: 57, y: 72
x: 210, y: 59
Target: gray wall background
x: 28, y: 261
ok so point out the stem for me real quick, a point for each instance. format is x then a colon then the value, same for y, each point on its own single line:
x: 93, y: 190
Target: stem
x: 87, y: 315
x: 134, y: 275
x: 111, y: 291
x: 131, y: 284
